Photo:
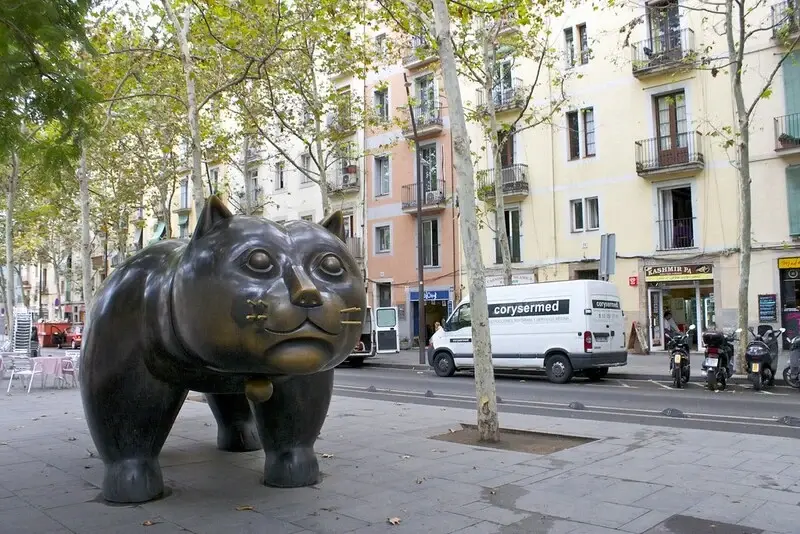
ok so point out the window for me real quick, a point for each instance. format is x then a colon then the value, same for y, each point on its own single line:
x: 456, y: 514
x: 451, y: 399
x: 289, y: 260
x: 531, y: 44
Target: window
x: 665, y: 27
x: 380, y: 44
x: 214, y: 178
x: 381, y: 98
x: 675, y: 218
x: 507, y: 152
x: 585, y: 214
x: 305, y: 164
x: 430, y: 243
x: 588, y: 132
x: 184, y: 200
x: 581, y: 134
x: 574, y: 135
x: 254, y: 184
x: 381, y: 176
x: 569, y: 47
x: 583, y: 42
x: 426, y: 93
x: 503, y: 84
x: 384, y: 301
x: 429, y: 168
x: 383, y: 240
x: 348, y: 225
x: 183, y: 230
x: 671, y: 127
x: 280, y: 176
x: 513, y: 232
x: 461, y: 318
x: 793, y: 198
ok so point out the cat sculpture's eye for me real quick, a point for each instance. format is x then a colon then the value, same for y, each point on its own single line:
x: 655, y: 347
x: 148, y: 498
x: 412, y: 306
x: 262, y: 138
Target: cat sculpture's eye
x: 259, y: 261
x: 331, y: 265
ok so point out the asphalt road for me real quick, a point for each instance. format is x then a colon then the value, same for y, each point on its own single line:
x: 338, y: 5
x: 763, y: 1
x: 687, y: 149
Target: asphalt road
x: 738, y: 409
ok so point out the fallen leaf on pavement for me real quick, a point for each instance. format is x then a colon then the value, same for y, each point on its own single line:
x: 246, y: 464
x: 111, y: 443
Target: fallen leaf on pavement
x: 394, y: 520
x: 149, y: 523
x: 72, y: 439
x: 245, y: 508
x: 406, y: 457
x: 326, y: 455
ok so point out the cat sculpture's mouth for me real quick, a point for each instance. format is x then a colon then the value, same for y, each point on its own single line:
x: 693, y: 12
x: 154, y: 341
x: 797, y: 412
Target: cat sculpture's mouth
x: 307, y: 326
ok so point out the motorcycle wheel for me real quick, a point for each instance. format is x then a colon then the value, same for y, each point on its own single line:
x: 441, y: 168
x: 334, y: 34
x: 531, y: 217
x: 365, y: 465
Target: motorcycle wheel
x: 676, y: 378
x: 756, y: 382
x: 787, y: 377
x: 686, y: 376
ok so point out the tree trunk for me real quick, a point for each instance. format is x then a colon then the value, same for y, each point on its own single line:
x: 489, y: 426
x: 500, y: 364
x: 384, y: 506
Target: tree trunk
x: 86, y: 240
x: 248, y: 187
x: 10, y: 193
x: 57, y: 280
x: 488, y: 420
x: 323, y: 171
x: 743, y: 163
x: 489, y: 56
x: 182, y: 34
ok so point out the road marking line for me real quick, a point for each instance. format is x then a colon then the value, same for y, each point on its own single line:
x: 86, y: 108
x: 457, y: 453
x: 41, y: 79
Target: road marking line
x: 623, y: 384
x: 662, y: 385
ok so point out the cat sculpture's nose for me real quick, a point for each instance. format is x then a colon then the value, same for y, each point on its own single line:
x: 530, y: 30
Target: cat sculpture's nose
x: 302, y: 290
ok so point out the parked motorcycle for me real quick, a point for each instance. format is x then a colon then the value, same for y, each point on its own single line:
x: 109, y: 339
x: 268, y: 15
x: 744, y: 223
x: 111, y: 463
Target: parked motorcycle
x: 791, y: 374
x: 718, y: 360
x: 761, y: 356
x: 679, y: 363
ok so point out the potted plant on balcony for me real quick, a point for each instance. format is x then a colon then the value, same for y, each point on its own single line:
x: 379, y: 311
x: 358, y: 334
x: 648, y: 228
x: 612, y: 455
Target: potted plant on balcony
x: 788, y: 141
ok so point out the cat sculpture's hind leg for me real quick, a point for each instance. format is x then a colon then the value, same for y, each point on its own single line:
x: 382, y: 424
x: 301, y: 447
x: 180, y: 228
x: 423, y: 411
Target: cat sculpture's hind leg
x: 289, y: 424
x: 130, y: 414
x: 236, y: 428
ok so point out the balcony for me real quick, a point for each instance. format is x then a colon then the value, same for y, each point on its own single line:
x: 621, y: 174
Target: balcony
x: 676, y: 234
x: 785, y: 20
x: 505, y: 98
x: 669, y: 157
x: 419, y: 54
x: 354, y: 247
x: 787, y: 134
x: 514, y: 178
x: 345, y: 181
x: 428, y: 119
x: 341, y: 123
x: 666, y: 53
x: 433, y: 198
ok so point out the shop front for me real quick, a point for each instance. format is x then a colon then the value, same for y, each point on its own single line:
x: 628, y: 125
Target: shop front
x: 679, y: 296
x: 438, y: 305
x: 789, y: 270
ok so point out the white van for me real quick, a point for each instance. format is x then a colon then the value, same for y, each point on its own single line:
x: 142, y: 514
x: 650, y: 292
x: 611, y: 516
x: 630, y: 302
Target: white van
x: 561, y: 327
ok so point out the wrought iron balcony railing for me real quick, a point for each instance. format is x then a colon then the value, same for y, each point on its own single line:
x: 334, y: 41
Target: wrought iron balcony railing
x: 676, y: 233
x: 669, y: 50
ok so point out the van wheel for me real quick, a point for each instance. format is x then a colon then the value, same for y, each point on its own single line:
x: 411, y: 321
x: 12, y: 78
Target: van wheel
x: 356, y: 362
x: 559, y: 369
x: 596, y: 374
x: 444, y: 365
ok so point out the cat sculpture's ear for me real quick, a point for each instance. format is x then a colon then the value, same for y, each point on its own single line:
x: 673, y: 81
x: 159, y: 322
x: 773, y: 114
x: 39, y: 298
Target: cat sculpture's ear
x: 335, y: 224
x: 213, y: 212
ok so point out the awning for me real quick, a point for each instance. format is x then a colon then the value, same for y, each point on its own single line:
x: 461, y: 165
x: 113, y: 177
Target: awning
x: 158, y: 234
x: 183, y: 219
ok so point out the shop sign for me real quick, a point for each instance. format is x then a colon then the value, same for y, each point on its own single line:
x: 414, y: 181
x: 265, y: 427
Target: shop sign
x: 676, y: 273
x: 633, y: 281
x: 768, y: 308
x: 788, y: 263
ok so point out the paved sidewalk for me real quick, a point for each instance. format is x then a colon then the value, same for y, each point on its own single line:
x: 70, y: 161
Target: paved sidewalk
x: 378, y: 463
x: 640, y: 367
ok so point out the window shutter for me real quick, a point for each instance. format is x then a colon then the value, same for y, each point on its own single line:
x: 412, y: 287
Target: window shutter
x: 793, y: 199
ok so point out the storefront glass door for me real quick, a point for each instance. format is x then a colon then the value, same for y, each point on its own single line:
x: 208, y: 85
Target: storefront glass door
x: 655, y: 305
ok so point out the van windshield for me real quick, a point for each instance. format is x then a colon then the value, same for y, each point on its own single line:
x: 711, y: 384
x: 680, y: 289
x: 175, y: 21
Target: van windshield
x: 461, y: 318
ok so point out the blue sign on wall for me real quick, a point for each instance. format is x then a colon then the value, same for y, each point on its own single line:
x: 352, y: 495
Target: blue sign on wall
x: 442, y: 294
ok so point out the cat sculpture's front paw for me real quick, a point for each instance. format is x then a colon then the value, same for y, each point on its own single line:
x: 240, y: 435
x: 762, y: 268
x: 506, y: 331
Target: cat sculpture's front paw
x: 133, y: 480
x: 291, y: 468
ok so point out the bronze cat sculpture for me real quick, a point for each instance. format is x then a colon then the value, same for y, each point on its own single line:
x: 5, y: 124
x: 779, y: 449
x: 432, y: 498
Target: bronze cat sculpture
x: 252, y: 313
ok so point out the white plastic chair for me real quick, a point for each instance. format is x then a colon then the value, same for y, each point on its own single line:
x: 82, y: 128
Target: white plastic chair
x: 70, y: 365
x: 22, y: 367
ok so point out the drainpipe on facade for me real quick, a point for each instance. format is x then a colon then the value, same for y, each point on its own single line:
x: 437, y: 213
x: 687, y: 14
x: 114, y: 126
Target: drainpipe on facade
x: 552, y: 174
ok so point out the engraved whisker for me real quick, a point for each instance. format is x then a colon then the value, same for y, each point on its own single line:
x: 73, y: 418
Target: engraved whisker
x: 348, y: 310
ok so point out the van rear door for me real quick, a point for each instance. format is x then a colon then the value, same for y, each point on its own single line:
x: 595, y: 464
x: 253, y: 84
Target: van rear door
x: 605, y: 322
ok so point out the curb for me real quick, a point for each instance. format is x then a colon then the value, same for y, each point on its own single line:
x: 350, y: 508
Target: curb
x: 611, y: 373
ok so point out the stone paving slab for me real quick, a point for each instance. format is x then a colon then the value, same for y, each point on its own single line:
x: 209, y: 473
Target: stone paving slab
x: 378, y: 462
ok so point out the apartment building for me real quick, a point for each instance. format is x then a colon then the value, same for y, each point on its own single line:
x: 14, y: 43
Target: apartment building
x: 635, y: 154
x: 391, y: 174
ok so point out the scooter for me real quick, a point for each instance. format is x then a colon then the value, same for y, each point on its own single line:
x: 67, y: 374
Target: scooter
x: 791, y: 374
x: 718, y: 361
x: 761, y: 356
x: 679, y: 362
